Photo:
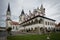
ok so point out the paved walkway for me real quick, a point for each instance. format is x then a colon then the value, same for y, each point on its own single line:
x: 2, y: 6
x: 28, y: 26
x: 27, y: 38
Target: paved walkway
x: 3, y: 38
x: 3, y: 35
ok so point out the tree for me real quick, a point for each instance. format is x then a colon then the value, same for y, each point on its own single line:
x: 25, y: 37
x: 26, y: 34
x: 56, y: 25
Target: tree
x: 9, y: 30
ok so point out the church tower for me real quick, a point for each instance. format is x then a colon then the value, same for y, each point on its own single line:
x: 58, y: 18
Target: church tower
x: 8, y: 16
x: 22, y: 16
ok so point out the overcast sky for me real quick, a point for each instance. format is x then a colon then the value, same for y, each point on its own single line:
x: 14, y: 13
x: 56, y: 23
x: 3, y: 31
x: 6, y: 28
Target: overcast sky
x: 52, y: 8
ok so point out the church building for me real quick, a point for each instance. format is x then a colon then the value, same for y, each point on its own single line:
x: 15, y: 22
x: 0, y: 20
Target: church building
x: 9, y: 23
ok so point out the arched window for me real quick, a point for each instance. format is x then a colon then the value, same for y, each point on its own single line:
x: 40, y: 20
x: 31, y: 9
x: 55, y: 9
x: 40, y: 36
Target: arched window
x: 35, y: 28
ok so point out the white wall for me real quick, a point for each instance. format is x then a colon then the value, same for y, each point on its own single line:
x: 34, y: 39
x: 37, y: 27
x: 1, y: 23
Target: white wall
x: 15, y: 27
x: 40, y: 25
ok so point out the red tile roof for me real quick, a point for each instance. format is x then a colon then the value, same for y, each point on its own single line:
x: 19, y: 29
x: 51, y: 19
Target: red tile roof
x: 14, y: 23
x: 57, y: 25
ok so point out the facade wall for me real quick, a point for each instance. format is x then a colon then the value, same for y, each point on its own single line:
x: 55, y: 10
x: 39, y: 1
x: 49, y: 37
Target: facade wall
x: 15, y: 27
x: 49, y: 24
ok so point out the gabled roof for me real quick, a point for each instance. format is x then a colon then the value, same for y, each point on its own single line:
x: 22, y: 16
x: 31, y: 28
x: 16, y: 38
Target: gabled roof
x: 8, y: 7
x: 58, y: 25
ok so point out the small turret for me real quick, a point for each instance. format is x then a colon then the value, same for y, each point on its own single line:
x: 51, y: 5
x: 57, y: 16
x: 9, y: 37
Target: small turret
x: 30, y: 14
x: 22, y: 13
x: 41, y: 6
x: 22, y: 16
x: 42, y: 10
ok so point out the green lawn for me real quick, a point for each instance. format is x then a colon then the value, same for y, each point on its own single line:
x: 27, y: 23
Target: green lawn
x: 53, y: 36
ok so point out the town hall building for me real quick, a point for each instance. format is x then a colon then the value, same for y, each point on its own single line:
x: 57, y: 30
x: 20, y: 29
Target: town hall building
x: 34, y: 22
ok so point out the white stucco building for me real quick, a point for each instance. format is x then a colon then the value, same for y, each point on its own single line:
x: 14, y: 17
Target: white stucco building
x: 34, y: 21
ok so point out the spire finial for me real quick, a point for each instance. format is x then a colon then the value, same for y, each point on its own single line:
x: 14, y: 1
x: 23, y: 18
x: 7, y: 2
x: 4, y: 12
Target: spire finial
x: 41, y: 5
x: 8, y: 7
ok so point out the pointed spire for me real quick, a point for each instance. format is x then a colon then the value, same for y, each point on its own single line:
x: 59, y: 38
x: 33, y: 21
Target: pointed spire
x: 22, y: 12
x: 41, y: 6
x: 8, y: 7
x: 30, y: 14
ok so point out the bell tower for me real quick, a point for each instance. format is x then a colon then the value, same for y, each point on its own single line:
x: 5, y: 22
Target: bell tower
x: 8, y: 16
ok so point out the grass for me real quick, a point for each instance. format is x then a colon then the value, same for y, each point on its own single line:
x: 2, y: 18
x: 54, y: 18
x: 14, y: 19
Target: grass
x: 53, y: 36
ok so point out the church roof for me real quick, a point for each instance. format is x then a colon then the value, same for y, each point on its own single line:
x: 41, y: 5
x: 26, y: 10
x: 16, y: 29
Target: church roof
x: 14, y: 23
x: 57, y: 25
x: 8, y: 7
x: 22, y: 12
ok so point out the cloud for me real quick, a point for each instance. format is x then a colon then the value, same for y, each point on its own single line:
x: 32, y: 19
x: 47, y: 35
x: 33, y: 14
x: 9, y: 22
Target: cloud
x: 52, y: 8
